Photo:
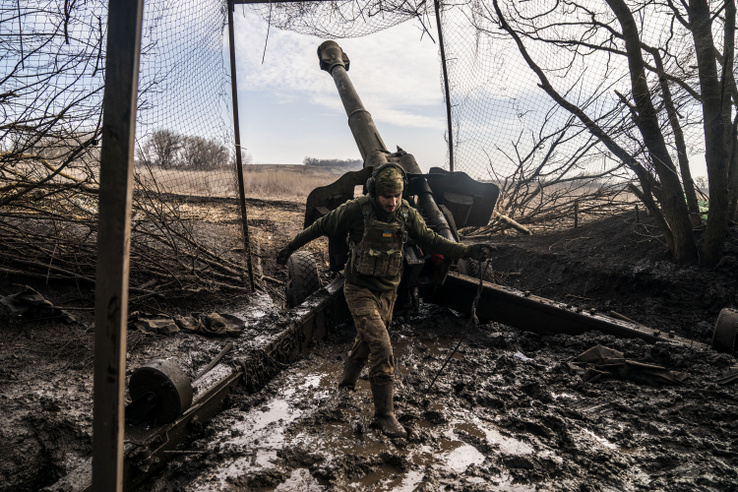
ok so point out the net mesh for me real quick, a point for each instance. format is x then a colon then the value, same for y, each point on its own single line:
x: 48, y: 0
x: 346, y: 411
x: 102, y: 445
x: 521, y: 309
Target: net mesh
x: 51, y: 93
x: 338, y: 19
x: 506, y: 128
x: 184, y: 116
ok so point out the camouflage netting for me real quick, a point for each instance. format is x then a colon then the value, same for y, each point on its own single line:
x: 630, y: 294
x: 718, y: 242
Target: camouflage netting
x: 51, y: 93
x: 506, y: 127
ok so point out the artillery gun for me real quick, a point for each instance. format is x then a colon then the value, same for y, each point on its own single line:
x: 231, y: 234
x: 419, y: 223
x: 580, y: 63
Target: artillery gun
x: 447, y: 200
x: 175, y: 408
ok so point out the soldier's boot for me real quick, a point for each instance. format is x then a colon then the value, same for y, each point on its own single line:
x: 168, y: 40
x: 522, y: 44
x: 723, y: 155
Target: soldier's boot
x: 384, y: 409
x: 351, y: 372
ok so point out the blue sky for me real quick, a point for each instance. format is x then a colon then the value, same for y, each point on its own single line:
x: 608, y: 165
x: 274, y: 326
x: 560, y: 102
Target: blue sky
x: 290, y: 109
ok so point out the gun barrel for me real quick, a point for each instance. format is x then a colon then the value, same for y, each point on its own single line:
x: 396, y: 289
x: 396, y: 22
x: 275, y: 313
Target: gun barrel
x: 334, y: 61
x: 371, y: 146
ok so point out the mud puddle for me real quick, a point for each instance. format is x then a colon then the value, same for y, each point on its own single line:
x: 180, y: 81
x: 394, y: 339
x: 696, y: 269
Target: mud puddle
x: 504, y: 415
x: 502, y: 395
x: 303, y: 426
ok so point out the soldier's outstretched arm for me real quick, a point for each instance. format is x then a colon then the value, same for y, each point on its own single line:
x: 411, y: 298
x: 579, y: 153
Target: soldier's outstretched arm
x: 334, y: 222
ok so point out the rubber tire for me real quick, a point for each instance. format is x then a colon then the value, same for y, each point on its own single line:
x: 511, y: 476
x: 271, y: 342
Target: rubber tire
x: 303, y: 278
x: 470, y: 267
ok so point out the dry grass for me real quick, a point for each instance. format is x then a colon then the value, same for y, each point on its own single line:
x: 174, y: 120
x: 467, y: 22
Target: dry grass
x: 552, y: 208
x: 285, y: 184
x: 282, y: 182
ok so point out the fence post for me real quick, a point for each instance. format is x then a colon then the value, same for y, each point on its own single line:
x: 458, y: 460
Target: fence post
x: 237, y: 137
x: 113, y: 241
x: 449, y: 123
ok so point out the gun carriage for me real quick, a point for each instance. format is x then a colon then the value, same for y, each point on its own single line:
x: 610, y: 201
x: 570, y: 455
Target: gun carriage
x: 171, y: 406
x: 447, y: 200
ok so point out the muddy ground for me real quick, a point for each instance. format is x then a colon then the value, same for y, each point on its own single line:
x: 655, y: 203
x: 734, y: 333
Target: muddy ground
x: 507, y: 413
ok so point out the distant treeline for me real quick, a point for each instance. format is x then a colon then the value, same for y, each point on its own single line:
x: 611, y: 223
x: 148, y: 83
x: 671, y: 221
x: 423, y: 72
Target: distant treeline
x: 168, y: 149
x: 350, y: 163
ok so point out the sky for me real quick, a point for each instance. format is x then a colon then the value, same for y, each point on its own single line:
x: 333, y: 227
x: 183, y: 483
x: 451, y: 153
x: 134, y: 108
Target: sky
x: 289, y: 109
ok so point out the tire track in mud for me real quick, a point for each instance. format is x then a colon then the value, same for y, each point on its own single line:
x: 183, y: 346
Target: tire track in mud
x: 504, y: 415
x: 475, y: 429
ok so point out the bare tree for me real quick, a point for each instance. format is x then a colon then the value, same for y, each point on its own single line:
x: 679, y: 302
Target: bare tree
x: 202, y: 153
x: 682, y: 73
x: 51, y: 86
x: 50, y: 95
x: 162, y: 149
x: 554, y: 178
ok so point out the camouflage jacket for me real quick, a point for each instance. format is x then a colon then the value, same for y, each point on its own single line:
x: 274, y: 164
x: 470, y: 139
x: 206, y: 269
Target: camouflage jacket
x: 348, y: 221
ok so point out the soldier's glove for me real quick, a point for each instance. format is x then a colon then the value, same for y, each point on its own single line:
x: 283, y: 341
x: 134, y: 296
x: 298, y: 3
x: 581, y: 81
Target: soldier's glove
x: 479, y: 252
x: 284, y: 254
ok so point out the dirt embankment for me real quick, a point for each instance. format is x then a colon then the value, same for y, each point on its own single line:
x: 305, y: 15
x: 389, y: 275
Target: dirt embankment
x: 507, y: 413
x: 621, y: 264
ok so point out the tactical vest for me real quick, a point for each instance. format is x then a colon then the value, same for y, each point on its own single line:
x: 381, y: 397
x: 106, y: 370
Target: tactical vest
x: 380, y: 251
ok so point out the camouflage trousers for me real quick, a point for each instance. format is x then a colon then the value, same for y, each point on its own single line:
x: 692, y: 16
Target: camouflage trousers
x: 372, y: 313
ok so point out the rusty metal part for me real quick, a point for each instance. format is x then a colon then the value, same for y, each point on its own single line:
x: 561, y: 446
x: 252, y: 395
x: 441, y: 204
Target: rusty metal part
x: 725, y: 334
x: 161, y: 389
x: 529, y: 312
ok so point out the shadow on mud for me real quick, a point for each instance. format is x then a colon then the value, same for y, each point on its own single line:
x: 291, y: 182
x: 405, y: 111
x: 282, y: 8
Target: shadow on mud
x: 506, y: 414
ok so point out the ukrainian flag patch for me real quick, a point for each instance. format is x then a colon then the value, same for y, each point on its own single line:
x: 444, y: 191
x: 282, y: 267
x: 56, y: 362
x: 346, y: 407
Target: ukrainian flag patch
x: 386, y: 234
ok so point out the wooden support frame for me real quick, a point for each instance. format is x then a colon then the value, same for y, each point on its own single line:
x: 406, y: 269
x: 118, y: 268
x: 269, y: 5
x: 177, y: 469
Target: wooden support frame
x: 237, y: 138
x: 113, y: 240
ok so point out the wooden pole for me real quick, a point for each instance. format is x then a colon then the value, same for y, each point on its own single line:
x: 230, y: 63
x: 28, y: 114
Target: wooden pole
x: 113, y: 241
x: 237, y: 136
x: 447, y: 91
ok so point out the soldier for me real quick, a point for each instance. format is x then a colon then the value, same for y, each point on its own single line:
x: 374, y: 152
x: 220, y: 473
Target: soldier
x: 377, y: 225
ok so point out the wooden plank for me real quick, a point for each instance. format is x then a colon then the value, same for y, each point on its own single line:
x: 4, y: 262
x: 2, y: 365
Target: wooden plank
x: 113, y: 240
x: 237, y: 138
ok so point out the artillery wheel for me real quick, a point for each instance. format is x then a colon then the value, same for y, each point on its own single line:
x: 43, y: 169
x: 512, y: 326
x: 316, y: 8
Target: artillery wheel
x: 302, y: 277
x: 725, y: 334
x: 167, y: 382
x: 472, y: 268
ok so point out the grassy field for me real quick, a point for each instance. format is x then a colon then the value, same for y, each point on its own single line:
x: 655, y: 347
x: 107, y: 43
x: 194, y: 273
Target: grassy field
x: 265, y: 181
x: 286, y: 181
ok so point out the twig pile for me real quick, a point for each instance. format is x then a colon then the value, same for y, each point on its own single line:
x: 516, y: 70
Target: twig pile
x: 56, y: 239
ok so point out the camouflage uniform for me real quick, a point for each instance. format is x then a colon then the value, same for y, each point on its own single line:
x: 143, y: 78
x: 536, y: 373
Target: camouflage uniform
x: 371, y: 298
x: 372, y: 313
x: 373, y: 273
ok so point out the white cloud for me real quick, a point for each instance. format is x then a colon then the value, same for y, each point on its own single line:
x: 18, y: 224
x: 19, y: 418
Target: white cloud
x: 290, y: 109
x: 396, y: 74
